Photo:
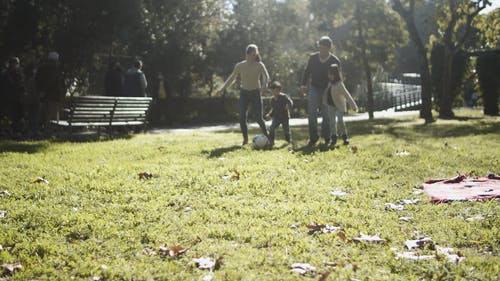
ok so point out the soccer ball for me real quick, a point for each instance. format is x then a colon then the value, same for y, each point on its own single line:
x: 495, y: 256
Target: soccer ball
x: 260, y: 141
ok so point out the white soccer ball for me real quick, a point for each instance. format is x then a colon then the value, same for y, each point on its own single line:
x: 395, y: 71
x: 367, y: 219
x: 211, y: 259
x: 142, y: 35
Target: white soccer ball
x: 260, y: 141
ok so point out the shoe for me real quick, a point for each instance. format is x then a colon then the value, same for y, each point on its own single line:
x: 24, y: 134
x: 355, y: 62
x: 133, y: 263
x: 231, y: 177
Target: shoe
x: 346, y: 139
x: 332, y: 146
x: 334, y: 141
x: 312, y: 142
x: 327, y: 141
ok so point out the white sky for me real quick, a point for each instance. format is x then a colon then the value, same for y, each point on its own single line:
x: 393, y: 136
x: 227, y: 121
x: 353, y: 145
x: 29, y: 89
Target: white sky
x: 495, y: 4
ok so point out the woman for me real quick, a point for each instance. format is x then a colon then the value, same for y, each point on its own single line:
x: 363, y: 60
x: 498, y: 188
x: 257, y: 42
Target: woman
x: 336, y: 98
x: 250, y: 71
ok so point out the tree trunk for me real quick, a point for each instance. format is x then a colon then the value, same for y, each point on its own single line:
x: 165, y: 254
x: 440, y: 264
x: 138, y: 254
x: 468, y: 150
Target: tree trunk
x: 425, y: 76
x: 447, y: 97
x: 366, y: 64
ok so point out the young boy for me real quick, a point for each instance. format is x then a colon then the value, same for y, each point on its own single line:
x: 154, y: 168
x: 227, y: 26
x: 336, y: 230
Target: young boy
x: 281, y: 104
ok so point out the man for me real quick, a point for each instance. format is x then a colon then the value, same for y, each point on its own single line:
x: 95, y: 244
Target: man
x: 12, y: 89
x: 315, y: 81
x: 135, y: 82
x: 48, y: 85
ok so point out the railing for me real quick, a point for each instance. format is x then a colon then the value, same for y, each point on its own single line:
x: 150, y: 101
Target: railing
x: 400, y: 100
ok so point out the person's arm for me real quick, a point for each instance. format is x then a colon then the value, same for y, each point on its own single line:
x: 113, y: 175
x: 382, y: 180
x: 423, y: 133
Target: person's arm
x: 230, y: 79
x: 144, y: 82
x: 265, y: 79
x: 306, y: 78
x: 289, y: 102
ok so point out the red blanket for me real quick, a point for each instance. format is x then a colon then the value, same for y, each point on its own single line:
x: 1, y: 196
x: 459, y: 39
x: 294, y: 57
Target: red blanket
x: 463, y: 188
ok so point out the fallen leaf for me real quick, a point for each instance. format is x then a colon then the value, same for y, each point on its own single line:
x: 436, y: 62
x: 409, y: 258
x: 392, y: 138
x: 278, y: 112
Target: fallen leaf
x: 330, y: 264
x: 341, y: 235
x: 4, y: 193
x: 11, y: 267
x: 148, y: 252
x: 392, y: 206
x: 448, y: 253
x: 402, y: 153
x: 324, y: 275
x: 409, y: 201
x: 303, y: 268
x: 204, y: 263
x: 407, y: 219
x: 41, y: 180
x: 413, y: 256
x: 3, y: 214
x: 315, y: 228
x: 145, y: 176
x: 366, y: 238
x: 338, y: 193
x: 476, y: 218
x: 176, y: 251
x: 96, y: 278
x: 354, y: 149
x: 413, y: 244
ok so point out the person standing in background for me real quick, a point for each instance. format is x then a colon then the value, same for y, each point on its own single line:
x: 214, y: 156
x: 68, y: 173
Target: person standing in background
x: 314, y: 82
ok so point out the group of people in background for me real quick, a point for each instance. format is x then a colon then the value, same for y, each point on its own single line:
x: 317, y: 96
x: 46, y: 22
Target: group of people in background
x: 34, y: 95
x: 322, y: 81
x: 30, y: 98
x: 131, y: 83
x: 33, y: 98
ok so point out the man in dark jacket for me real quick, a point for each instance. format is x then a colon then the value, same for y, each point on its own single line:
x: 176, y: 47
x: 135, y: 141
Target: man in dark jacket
x: 12, y: 90
x: 135, y: 82
x: 315, y: 81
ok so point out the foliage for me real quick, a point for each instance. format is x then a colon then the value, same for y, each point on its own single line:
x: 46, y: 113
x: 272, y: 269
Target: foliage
x: 487, y: 70
x: 459, y: 70
x: 98, y: 219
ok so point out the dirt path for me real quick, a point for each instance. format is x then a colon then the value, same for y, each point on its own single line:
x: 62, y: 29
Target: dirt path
x: 293, y: 122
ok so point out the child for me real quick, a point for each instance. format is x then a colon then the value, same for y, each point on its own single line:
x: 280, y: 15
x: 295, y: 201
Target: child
x: 336, y: 97
x: 281, y: 104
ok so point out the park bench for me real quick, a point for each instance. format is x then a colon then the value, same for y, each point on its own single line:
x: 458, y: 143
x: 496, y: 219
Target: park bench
x: 104, y: 111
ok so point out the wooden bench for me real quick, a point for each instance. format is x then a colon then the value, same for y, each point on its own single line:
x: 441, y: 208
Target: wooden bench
x: 105, y: 111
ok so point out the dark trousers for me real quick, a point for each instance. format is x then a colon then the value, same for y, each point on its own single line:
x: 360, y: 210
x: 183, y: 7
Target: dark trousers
x: 250, y: 98
x: 275, y: 124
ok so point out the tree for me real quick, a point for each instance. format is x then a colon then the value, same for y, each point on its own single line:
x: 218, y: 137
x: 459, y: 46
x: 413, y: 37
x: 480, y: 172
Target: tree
x: 456, y: 20
x: 407, y: 11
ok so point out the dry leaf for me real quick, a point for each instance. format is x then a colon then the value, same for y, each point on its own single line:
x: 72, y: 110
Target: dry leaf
x: 402, y: 153
x: 2, y: 214
x: 409, y: 201
x: 366, y: 238
x: 10, y: 267
x: 148, y: 252
x: 324, y: 275
x: 413, y: 256
x: 413, y: 244
x: 392, y: 206
x: 176, y: 251
x: 354, y: 149
x: 330, y: 264
x: 407, y: 219
x: 4, y: 193
x: 341, y: 235
x: 204, y: 263
x: 303, y: 268
x: 41, y: 180
x: 145, y: 176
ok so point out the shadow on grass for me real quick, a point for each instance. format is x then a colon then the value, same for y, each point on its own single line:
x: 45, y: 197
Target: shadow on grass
x: 24, y: 147
x: 463, y: 126
x: 218, y: 152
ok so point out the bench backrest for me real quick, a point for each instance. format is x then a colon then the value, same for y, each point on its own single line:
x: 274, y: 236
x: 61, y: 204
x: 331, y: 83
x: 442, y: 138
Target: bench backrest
x: 108, y: 109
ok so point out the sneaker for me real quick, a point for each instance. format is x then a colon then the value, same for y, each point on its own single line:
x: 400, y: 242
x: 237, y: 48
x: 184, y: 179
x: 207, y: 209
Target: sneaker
x: 346, y: 139
x: 327, y: 141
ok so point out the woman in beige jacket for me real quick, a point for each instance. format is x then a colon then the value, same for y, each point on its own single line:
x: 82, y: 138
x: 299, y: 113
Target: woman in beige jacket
x: 337, y: 98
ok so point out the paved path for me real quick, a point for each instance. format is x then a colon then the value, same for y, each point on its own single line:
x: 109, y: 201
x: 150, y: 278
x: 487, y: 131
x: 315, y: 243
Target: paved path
x: 293, y: 122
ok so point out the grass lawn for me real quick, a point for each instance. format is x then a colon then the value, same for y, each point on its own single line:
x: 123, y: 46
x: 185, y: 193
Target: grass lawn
x: 249, y: 210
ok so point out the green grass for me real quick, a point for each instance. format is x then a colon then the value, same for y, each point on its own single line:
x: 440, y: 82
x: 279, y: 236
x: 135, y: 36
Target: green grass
x: 96, y: 218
